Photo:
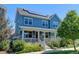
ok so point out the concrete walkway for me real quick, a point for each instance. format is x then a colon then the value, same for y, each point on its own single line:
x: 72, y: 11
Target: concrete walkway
x: 51, y: 50
x: 39, y: 52
x: 68, y: 48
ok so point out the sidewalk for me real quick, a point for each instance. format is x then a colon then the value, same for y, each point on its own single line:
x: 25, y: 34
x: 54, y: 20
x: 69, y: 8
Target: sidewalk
x: 41, y: 52
x: 68, y: 48
x: 51, y: 50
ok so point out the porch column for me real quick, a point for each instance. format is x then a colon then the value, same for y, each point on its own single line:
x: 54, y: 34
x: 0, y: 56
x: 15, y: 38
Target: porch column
x: 22, y: 34
x: 44, y: 40
x: 44, y: 36
x: 38, y: 36
x: 55, y: 34
x: 51, y: 36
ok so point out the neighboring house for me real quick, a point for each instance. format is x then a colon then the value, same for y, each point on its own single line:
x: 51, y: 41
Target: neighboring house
x: 35, y: 27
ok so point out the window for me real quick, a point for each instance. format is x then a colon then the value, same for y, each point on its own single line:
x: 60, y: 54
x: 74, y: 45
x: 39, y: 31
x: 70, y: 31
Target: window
x: 45, y: 23
x: 54, y: 26
x: 28, y: 21
x: 47, y: 35
x: 30, y: 34
x: 55, y: 22
x: 27, y: 34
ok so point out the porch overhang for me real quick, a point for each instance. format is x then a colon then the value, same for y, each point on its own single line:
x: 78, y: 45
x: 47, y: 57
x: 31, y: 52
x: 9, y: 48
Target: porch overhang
x: 37, y: 29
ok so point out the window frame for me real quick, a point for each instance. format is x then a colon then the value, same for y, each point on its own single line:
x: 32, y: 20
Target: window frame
x: 45, y: 23
x: 28, y: 20
x: 55, y: 22
x: 28, y: 34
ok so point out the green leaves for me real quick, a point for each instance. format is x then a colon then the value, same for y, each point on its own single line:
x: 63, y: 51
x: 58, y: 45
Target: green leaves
x: 70, y: 26
x: 4, y: 45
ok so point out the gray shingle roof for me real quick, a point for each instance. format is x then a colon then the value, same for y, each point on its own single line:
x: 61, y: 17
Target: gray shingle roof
x: 27, y: 13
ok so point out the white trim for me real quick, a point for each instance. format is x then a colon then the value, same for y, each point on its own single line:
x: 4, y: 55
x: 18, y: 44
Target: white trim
x: 30, y: 38
x: 44, y: 36
x: 55, y: 35
x: 22, y: 34
x: 36, y: 29
x: 38, y: 36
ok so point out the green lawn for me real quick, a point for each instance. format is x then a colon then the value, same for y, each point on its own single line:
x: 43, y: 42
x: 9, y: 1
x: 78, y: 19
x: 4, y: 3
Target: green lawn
x: 64, y: 52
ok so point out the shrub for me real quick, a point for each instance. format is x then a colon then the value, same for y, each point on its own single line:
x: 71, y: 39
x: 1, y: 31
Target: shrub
x: 18, y: 45
x: 66, y: 43
x: 4, y: 44
x: 36, y: 47
x: 31, y: 47
x: 53, y: 44
x: 63, y: 43
x: 60, y: 43
x: 50, y: 45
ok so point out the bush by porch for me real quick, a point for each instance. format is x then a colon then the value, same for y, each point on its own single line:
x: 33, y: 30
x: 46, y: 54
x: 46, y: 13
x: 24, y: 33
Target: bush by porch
x: 19, y: 46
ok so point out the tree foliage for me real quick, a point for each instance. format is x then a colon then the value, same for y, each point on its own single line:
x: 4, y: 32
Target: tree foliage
x: 69, y: 28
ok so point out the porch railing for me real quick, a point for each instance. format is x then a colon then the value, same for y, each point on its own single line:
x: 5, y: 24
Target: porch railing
x: 31, y: 39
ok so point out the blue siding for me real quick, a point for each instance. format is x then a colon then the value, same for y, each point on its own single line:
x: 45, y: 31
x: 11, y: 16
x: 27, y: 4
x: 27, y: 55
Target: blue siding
x: 54, y: 22
x: 18, y: 23
x: 37, y: 22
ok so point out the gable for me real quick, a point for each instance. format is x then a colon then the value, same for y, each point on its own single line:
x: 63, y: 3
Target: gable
x: 54, y: 21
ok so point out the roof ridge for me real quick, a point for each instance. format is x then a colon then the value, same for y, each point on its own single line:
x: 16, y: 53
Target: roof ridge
x: 26, y: 12
x: 32, y: 12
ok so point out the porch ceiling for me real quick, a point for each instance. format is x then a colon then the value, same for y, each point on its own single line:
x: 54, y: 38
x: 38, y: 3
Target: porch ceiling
x: 37, y: 29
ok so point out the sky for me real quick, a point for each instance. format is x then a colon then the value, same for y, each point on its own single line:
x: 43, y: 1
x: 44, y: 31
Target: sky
x: 44, y: 9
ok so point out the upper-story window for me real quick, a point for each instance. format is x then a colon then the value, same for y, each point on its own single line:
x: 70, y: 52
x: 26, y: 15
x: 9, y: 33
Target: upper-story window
x: 45, y: 23
x: 55, y: 22
x: 28, y: 21
x: 55, y: 26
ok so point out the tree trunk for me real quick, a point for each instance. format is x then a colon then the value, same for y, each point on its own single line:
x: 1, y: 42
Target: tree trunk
x: 74, y: 45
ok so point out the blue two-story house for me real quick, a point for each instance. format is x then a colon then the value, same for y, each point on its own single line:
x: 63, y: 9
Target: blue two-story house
x: 35, y: 27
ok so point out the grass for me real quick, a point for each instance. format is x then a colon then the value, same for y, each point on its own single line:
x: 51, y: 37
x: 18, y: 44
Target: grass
x: 64, y: 52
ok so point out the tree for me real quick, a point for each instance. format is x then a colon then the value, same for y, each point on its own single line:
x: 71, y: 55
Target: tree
x: 5, y: 29
x: 69, y: 28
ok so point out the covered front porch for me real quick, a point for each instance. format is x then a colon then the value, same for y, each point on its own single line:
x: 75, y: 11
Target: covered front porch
x: 40, y: 35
